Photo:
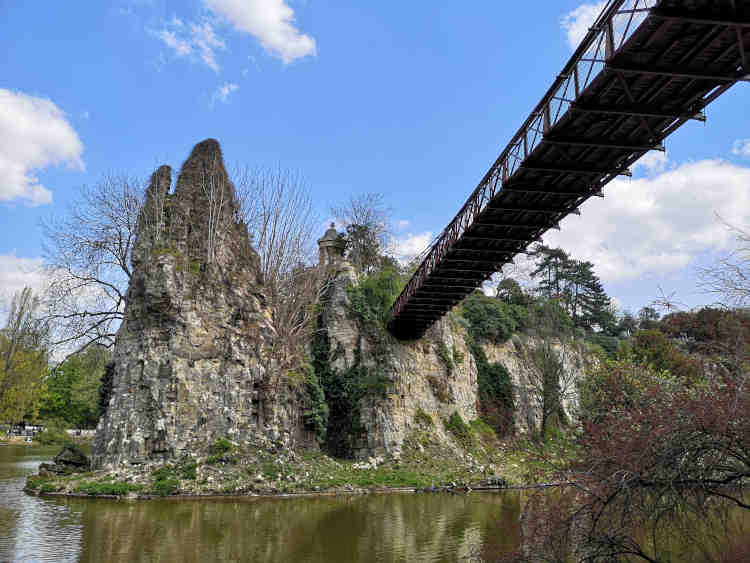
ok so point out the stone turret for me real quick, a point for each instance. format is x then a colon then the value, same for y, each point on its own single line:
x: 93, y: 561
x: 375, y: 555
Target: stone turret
x: 192, y: 358
x: 331, y: 248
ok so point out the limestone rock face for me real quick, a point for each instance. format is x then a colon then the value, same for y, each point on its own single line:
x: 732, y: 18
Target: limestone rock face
x: 436, y: 375
x: 191, y: 361
x: 415, y: 377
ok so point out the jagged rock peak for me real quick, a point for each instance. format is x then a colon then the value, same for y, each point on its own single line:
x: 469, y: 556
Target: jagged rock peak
x: 205, y: 164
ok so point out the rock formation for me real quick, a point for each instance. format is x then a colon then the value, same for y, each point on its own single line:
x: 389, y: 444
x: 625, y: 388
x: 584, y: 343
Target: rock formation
x: 191, y: 359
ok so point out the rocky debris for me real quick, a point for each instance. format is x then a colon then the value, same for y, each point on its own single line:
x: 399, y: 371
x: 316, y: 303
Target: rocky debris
x: 70, y: 460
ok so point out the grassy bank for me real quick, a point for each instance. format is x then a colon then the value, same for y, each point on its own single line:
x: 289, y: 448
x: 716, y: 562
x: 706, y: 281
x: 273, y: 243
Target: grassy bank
x: 231, y: 469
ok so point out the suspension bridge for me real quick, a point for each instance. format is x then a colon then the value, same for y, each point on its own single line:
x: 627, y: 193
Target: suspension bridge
x: 644, y: 69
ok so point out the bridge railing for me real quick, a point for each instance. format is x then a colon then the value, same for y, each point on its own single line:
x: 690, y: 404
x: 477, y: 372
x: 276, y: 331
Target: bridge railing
x: 617, y: 22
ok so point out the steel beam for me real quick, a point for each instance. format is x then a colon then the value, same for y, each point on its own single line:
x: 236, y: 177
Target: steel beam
x: 636, y: 112
x: 679, y: 73
x: 603, y: 144
x: 700, y: 21
x: 563, y: 170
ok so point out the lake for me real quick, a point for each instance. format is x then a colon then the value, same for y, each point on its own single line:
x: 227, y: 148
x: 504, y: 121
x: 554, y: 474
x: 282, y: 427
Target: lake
x: 387, y: 527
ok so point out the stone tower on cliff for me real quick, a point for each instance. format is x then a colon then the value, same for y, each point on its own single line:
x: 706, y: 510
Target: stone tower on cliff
x: 191, y: 360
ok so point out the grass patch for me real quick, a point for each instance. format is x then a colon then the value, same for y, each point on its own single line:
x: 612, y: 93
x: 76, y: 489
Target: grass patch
x: 107, y: 488
x: 165, y: 482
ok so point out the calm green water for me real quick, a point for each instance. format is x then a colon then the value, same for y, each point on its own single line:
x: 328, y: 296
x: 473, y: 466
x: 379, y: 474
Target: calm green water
x: 407, y: 527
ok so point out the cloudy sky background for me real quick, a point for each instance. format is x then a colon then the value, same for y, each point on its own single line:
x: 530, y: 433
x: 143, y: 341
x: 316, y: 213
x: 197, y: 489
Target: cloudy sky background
x: 412, y: 100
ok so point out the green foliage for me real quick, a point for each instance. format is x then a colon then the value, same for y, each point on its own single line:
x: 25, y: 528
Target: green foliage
x: 480, y: 428
x: 221, y: 446
x: 107, y: 488
x: 23, y: 358
x: 460, y: 430
x: 423, y: 419
x: 42, y: 484
x: 343, y: 391
x: 372, y: 298
x: 54, y: 433
x: 609, y: 344
x: 315, y: 413
x: 652, y: 348
x: 496, y: 402
x: 458, y: 356
x: 166, y: 481
x: 491, y: 320
x: 188, y: 470
x: 574, y: 284
x: 445, y: 357
x: 71, y: 392
x: 549, y: 318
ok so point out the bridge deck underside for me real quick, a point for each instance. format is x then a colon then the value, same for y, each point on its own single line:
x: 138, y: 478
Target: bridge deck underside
x: 666, y: 72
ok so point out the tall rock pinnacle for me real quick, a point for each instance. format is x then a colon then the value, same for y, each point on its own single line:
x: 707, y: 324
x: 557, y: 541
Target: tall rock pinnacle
x: 191, y: 359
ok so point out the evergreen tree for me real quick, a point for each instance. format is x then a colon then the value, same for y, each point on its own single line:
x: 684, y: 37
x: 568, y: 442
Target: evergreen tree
x: 550, y: 270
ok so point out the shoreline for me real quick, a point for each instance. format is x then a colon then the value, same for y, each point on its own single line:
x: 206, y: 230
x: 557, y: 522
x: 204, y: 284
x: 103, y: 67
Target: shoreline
x: 457, y: 490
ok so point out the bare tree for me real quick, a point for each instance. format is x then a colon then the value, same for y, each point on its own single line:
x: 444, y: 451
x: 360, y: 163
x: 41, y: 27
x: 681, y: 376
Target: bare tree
x: 730, y: 276
x: 279, y: 212
x: 366, y: 221
x: 87, y: 256
x: 88, y: 252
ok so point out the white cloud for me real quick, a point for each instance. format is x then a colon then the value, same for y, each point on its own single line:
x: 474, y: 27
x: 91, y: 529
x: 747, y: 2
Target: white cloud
x: 660, y: 224
x: 271, y: 22
x: 652, y: 161
x: 407, y: 248
x: 577, y: 23
x: 741, y: 148
x: 206, y: 41
x: 402, y: 224
x: 180, y: 46
x: 192, y: 39
x: 34, y: 134
x: 223, y: 92
x: 17, y: 273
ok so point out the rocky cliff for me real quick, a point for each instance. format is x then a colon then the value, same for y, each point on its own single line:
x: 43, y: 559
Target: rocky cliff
x: 436, y: 376
x: 191, y: 361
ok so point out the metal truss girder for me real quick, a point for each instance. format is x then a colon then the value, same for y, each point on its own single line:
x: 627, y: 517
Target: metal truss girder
x: 678, y: 73
x: 636, y: 112
x: 545, y: 192
x: 562, y: 170
x: 602, y: 144
x: 483, y: 250
x: 469, y: 261
x: 700, y: 21
x: 507, y: 209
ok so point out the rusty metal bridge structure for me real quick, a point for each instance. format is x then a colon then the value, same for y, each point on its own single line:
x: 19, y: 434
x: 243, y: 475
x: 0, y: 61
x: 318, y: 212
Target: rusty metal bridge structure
x: 645, y: 68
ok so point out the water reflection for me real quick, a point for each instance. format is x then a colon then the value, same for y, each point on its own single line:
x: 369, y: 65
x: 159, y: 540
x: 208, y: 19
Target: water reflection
x: 30, y: 528
x: 332, y: 529
x: 368, y: 528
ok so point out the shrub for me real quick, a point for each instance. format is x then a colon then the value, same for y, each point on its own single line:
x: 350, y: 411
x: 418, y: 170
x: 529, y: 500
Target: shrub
x: 371, y: 299
x: 460, y: 430
x: 165, y: 481
x: 496, y: 403
x: 489, y: 319
x: 422, y: 418
x: 54, y: 433
x: 444, y: 355
x: 221, y: 446
x: 652, y: 348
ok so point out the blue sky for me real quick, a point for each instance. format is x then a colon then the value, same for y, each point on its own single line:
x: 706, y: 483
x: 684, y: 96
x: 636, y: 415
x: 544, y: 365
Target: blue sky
x: 410, y: 99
